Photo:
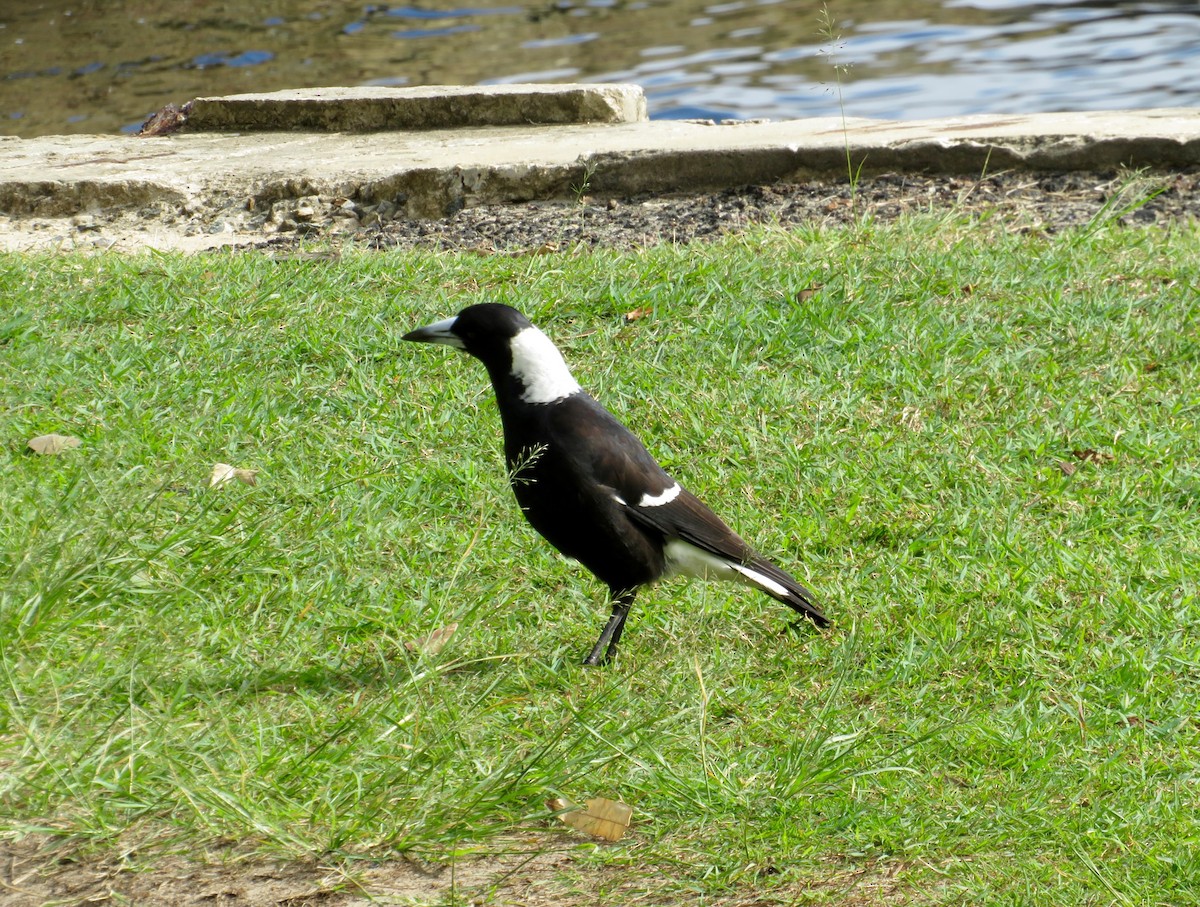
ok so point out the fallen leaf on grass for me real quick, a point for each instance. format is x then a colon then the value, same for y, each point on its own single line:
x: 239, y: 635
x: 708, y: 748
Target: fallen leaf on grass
x: 48, y: 445
x: 808, y: 293
x: 1092, y: 456
x: 600, y: 818
x: 1067, y: 469
x: 223, y: 472
x: 637, y: 315
x: 434, y: 642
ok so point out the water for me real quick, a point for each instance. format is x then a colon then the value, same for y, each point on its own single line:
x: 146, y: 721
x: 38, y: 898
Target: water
x: 71, y: 66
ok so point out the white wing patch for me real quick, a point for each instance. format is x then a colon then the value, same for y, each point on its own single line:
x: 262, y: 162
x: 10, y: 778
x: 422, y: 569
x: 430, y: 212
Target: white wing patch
x: 657, y: 500
x: 757, y: 579
x: 683, y: 557
x: 541, y: 368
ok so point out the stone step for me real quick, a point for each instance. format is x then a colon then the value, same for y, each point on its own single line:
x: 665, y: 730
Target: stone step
x: 372, y: 109
x: 200, y: 177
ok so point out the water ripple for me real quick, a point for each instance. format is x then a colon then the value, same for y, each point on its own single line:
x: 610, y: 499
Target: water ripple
x: 710, y: 58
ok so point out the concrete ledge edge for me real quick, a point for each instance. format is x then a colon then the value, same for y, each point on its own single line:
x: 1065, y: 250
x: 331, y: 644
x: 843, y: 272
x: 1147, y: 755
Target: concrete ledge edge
x: 433, y: 173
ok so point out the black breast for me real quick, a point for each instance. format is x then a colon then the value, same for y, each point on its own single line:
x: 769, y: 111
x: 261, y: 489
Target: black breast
x: 561, y: 470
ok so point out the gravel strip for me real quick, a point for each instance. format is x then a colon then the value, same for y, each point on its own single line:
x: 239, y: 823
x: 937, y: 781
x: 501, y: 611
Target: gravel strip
x: 1025, y: 201
x: 1017, y: 200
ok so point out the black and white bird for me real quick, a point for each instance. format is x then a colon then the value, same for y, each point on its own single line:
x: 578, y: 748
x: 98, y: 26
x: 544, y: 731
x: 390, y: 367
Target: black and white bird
x: 588, y: 486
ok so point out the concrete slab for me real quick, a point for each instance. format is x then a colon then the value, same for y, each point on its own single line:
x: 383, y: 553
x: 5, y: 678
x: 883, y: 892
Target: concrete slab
x: 432, y: 173
x: 370, y: 109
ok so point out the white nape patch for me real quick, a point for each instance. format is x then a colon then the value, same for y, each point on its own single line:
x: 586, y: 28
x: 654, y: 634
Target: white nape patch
x: 657, y: 500
x: 541, y: 368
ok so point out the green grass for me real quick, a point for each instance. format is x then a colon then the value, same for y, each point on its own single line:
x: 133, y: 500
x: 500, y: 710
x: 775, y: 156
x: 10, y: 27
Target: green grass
x: 1003, y: 713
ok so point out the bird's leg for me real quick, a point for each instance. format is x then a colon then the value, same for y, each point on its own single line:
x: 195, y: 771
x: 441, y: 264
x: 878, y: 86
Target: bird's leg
x: 606, y: 646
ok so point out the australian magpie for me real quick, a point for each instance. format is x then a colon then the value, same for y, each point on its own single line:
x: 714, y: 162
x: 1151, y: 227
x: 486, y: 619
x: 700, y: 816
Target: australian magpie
x: 589, y: 486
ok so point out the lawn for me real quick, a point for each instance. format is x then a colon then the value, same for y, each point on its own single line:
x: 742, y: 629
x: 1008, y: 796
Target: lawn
x: 978, y: 447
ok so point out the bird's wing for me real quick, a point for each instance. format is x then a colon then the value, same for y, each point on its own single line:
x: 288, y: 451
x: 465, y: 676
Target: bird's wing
x: 686, y: 517
x: 603, y: 451
x: 615, y: 459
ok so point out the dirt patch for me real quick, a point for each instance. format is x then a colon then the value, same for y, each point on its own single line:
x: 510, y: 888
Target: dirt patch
x: 37, y: 871
x: 1027, y: 201
x: 539, y: 870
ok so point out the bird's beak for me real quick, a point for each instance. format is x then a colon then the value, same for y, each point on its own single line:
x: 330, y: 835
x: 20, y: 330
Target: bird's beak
x: 438, y: 332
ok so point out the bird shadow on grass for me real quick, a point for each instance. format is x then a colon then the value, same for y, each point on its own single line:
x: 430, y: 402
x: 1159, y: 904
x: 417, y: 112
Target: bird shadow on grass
x: 375, y: 675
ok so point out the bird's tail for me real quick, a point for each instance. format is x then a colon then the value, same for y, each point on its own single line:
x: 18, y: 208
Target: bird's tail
x: 764, y: 575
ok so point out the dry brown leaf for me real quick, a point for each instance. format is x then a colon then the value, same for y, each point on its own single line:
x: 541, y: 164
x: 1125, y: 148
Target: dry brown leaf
x: 808, y: 293
x: 223, y: 473
x: 1088, y: 455
x: 48, y: 445
x: 1068, y: 469
x: 600, y: 818
x: 434, y: 642
x: 637, y: 315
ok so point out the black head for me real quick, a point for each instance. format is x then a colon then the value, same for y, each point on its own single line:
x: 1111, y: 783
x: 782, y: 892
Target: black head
x: 522, y: 361
x: 484, y: 331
